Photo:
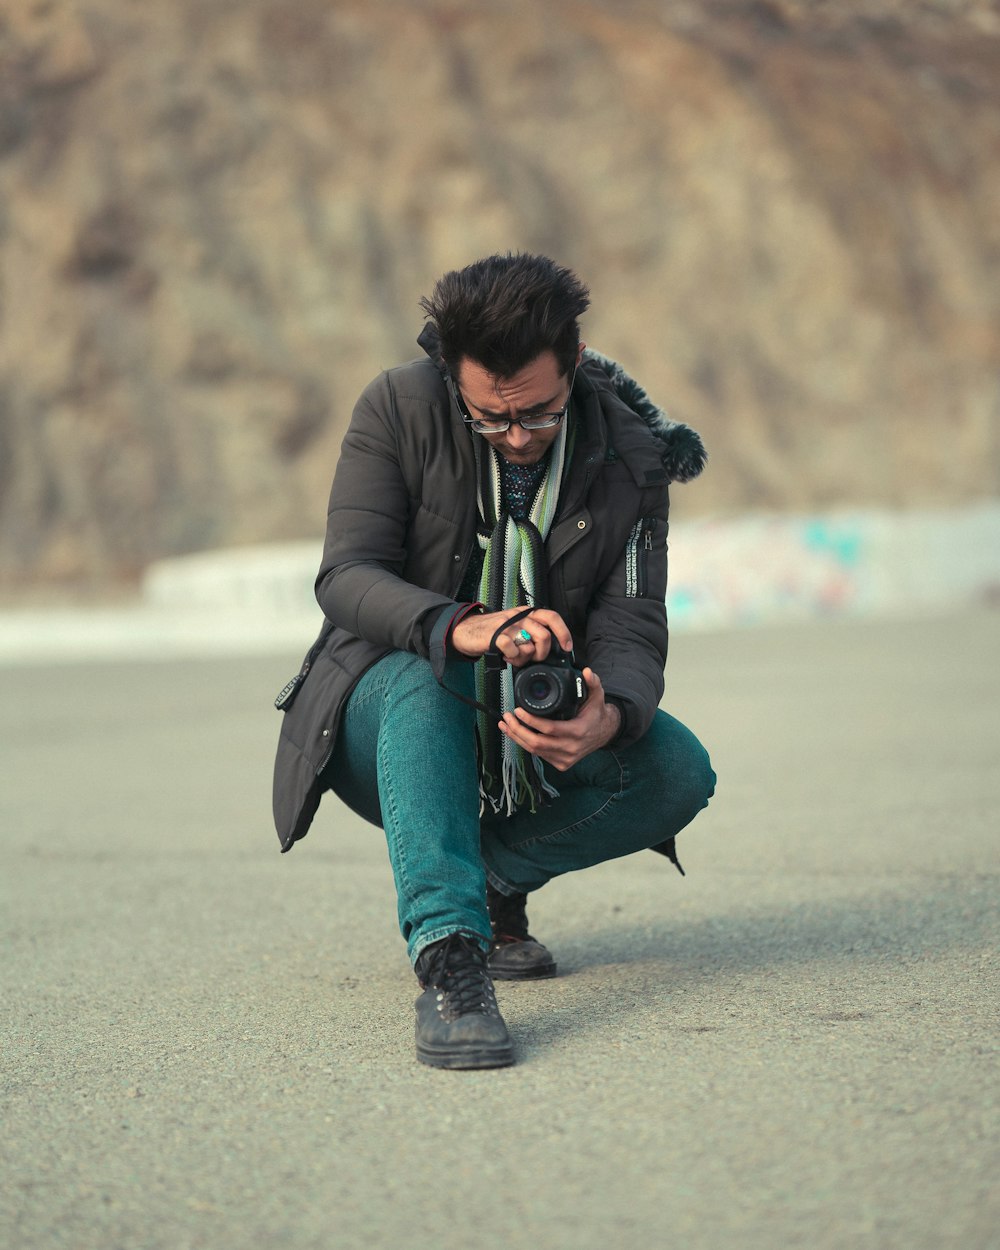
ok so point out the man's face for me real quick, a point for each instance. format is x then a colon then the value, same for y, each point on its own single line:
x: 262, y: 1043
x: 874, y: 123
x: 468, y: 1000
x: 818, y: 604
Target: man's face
x: 538, y: 387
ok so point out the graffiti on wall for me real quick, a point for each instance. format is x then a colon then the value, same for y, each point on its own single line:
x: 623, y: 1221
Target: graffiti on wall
x: 754, y: 569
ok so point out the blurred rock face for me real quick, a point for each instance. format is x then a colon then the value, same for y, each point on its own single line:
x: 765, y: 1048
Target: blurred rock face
x: 217, y: 219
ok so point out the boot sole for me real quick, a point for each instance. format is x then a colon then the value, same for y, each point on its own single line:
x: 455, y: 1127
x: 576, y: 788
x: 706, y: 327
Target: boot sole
x: 528, y: 974
x: 481, y: 1057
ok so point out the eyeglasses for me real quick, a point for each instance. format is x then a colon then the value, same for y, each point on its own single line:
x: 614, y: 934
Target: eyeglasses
x: 500, y: 425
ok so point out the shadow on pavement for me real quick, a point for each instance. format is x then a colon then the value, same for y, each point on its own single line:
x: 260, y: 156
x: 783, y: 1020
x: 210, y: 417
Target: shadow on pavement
x: 952, y: 913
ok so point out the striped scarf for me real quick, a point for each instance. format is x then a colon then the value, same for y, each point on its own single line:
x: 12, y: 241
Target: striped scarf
x: 515, y: 574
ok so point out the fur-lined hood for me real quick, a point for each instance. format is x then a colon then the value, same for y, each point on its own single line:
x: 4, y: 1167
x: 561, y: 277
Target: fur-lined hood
x: 684, y: 453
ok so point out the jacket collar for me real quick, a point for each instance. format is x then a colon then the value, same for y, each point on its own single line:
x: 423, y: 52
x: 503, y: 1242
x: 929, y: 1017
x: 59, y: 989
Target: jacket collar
x: 430, y: 341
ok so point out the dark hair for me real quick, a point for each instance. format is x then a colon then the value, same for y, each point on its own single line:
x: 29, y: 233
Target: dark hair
x: 504, y: 311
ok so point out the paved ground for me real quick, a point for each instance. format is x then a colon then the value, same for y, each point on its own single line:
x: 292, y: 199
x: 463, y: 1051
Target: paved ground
x: 210, y: 1045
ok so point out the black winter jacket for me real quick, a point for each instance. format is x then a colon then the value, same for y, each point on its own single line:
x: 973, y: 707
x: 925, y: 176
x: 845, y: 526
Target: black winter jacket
x: 400, y: 532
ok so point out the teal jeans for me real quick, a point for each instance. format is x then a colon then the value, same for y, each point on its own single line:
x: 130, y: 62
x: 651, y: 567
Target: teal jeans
x: 405, y: 760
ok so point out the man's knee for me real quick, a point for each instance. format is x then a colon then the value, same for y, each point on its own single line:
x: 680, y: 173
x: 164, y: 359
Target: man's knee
x: 701, y: 776
x: 679, y: 763
x: 406, y: 678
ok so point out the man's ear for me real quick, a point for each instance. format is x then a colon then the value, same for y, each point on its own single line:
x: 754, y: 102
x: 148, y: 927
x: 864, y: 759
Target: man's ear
x: 579, y: 354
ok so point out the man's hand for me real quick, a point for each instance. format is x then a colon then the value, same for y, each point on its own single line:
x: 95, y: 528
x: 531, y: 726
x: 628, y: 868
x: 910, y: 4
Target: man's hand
x: 471, y: 636
x: 563, y: 743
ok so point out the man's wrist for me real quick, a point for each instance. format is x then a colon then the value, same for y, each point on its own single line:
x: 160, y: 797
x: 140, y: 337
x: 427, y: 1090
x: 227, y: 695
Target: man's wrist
x: 438, y: 627
x: 464, y: 610
x: 616, y: 707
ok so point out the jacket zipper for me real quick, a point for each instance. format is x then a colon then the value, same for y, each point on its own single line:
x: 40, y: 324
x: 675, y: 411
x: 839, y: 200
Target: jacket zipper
x: 647, y: 547
x: 640, y: 544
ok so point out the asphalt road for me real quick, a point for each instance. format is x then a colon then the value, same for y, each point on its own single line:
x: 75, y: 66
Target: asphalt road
x: 207, y: 1044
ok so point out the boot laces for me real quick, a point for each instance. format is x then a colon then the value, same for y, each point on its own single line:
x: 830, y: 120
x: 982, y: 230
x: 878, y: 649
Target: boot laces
x: 456, y: 968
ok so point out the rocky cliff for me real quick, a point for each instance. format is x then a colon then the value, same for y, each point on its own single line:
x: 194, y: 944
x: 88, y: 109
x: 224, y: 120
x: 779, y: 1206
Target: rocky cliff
x: 217, y: 218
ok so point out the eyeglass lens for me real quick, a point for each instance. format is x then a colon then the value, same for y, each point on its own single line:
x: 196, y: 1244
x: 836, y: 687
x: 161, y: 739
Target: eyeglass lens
x: 541, y: 422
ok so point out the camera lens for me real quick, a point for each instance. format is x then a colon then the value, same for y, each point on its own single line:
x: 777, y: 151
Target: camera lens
x: 539, y: 689
x: 552, y: 690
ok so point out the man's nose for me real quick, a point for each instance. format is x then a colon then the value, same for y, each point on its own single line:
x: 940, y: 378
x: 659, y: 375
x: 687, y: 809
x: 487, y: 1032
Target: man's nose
x: 518, y: 436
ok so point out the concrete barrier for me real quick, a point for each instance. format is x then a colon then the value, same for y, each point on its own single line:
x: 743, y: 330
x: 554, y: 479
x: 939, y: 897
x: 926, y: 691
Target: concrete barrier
x: 738, y: 571
x: 271, y: 580
x: 724, y: 573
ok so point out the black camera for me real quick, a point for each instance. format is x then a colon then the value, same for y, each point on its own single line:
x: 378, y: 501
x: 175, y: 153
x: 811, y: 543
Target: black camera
x: 553, y: 688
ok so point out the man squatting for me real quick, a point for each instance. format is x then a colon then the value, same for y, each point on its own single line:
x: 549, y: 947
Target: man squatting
x: 504, y: 495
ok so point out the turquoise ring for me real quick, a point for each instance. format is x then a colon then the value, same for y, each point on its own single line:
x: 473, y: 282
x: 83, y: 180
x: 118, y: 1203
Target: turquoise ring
x: 523, y: 638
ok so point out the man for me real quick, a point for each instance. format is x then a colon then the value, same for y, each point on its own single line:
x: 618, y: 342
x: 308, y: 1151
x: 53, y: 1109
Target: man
x: 495, y: 502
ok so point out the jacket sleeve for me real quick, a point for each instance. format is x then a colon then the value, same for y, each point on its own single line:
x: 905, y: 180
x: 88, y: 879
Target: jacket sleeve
x: 627, y: 626
x: 360, y: 586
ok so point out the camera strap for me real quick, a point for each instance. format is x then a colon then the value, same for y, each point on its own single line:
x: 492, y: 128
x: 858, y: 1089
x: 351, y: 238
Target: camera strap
x: 494, y: 659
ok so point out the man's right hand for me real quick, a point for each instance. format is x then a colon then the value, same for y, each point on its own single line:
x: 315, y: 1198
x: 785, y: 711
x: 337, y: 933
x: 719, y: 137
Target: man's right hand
x: 472, y: 635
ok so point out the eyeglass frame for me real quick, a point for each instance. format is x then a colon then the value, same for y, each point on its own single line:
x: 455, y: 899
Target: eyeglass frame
x: 547, y: 419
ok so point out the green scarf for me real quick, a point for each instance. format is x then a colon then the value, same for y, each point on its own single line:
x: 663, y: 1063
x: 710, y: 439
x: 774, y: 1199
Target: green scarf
x: 515, y: 574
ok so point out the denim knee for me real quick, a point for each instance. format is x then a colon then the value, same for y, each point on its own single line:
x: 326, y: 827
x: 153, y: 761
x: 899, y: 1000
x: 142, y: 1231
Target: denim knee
x: 671, y: 761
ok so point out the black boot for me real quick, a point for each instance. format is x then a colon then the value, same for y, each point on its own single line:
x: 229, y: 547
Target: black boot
x: 458, y: 1022
x: 515, y: 955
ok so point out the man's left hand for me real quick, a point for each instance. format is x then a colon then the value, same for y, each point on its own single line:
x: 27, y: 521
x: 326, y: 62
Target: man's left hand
x: 563, y: 743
